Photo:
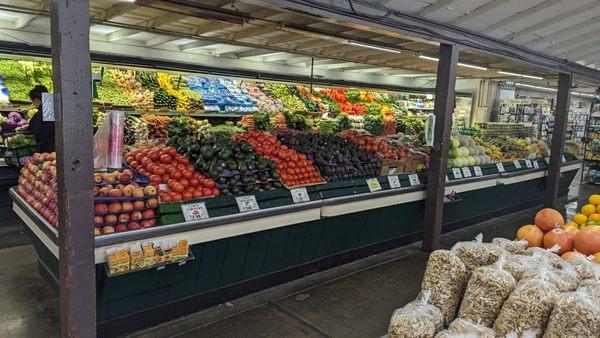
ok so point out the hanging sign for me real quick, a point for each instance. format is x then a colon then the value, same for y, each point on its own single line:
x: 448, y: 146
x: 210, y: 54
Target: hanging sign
x: 394, y: 181
x: 48, y: 107
x: 194, y: 211
x: 430, y: 130
x: 300, y: 195
x: 457, y: 173
x: 466, y: 172
x: 247, y: 203
x: 500, y: 167
x: 373, y: 184
x: 414, y: 179
x: 478, y: 171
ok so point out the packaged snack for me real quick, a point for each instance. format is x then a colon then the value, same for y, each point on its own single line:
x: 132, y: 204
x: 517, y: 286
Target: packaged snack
x: 416, y: 319
x: 467, y: 327
x: 515, y: 247
x: 575, y: 314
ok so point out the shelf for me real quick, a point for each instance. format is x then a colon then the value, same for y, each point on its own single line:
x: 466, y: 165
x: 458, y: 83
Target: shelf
x: 191, y: 114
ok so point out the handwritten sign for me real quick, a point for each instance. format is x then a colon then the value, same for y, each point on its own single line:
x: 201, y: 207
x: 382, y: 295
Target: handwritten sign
x: 466, y: 172
x: 457, y: 173
x: 194, y: 211
x: 478, y: 171
x: 413, y: 179
x: 373, y: 184
x: 500, y: 167
x: 394, y: 181
x: 300, y: 195
x: 247, y: 203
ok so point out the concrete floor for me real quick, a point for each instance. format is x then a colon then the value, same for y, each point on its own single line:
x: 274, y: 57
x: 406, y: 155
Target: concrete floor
x: 353, y: 300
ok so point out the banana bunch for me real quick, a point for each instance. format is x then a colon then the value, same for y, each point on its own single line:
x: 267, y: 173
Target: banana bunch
x: 164, y: 81
x: 139, y: 97
x: 135, y: 130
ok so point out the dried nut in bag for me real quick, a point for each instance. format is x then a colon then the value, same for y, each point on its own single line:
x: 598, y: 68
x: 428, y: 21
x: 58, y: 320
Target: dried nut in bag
x: 445, y: 279
x: 466, y: 327
x: 575, y: 314
x: 487, y: 290
x: 515, y: 247
x: 565, y: 278
x: 416, y: 319
x: 477, y: 253
x: 452, y: 334
x: 527, y: 308
x: 545, y: 255
x: 585, y: 269
x: 592, y: 287
x: 518, y: 265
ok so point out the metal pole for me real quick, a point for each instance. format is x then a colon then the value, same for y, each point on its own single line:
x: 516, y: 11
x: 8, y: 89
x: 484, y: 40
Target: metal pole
x: 71, y: 75
x: 438, y: 157
x: 563, y: 98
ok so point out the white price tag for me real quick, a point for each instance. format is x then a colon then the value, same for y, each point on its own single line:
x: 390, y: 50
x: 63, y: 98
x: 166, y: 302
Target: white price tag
x: 547, y: 159
x: 194, y: 211
x: 528, y: 164
x: 500, y: 167
x: 466, y: 172
x: 414, y: 179
x: 394, y: 181
x: 182, y: 263
x: 536, y: 164
x: 162, y: 267
x: 447, y: 179
x: 163, y: 187
x: 373, y: 184
x: 564, y: 159
x: 478, y: 171
x: 300, y: 195
x: 517, y: 164
x: 247, y: 203
x: 457, y: 173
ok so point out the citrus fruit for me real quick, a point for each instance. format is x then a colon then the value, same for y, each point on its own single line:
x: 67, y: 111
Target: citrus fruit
x: 595, y: 217
x: 598, y: 209
x: 594, y: 199
x: 588, y: 209
x: 580, y: 219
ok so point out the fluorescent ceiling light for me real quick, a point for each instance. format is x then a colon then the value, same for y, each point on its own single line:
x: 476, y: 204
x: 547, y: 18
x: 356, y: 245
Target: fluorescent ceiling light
x: 521, y: 75
x: 535, y: 87
x: 460, y: 63
x: 313, y: 34
x: 366, y: 45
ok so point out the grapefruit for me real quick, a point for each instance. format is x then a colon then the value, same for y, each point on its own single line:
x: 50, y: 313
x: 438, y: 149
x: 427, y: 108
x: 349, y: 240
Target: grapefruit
x: 598, y: 208
x: 587, y: 241
x: 558, y: 237
x: 572, y: 229
x: 580, y: 219
x: 548, y: 219
x: 532, y: 234
x: 594, y: 199
x: 588, y: 209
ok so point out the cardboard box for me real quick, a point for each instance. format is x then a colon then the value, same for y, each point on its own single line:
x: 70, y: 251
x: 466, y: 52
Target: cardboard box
x: 390, y: 167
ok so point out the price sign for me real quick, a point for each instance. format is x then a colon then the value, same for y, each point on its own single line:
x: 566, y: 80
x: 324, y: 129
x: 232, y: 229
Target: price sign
x: 466, y: 172
x: 528, y: 164
x: 500, y: 167
x: 162, y: 187
x: 300, y: 195
x: 517, y: 164
x: 162, y: 267
x: 547, y: 159
x: 194, y: 211
x: 247, y: 203
x: 536, y: 164
x: 394, y: 181
x: 564, y: 159
x: 373, y: 184
x: 478, y: 171
x: 414, y: 179
x: 182, y: 263
x: 457, y: 173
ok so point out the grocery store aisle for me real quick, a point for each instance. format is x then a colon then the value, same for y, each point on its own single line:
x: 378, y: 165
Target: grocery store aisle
x: 354, y: 300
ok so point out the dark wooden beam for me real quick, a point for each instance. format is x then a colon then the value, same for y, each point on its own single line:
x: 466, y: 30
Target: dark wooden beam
x: 563, y: 98
x: 438, y: 157
x: 70, y: 27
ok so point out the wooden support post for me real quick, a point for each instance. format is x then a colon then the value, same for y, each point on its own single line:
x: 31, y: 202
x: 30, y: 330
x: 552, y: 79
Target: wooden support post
x: 438, y: 157
x: 563, y: 98
x: 70, y: 27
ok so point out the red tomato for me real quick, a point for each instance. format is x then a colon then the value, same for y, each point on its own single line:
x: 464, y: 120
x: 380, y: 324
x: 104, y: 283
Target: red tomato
x: 176, y: 197
x: 187, y: 174
x: 178, y: 187
x: 139, y: 156
x: 197, y: 175
x: 176, y: 158
x: 170, y: 169
x: 181, y: 167
x: 129, y: 159
x: 184, y: 160
x: 171, y: 151
x: 166, y: 199
x: 216, y: 192
x: 197, y: 193
x: 190, y: 168
x: 142, y: 171
x: 194, y: 182
x: 186, y: 196
x: 159, y: 171
x: 166, y: 159
x: 206, y: 192
x: 176, y: 174
x: 145, y: 161
x: 165, y: 178
x: 153, y: 155
x: 155, y: 179
x: 151, y: 166
x: 209, y: 183
x: 184, y: 182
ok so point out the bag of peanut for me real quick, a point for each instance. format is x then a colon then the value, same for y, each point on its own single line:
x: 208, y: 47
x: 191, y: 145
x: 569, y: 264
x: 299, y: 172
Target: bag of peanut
x: 575, y: 314
x: 467, y: 327
x: 477, y: 253
x: 515, y: 247
x: 416, y: 319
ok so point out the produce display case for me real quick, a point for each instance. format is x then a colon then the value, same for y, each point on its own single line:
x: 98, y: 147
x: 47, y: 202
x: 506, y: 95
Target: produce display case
x: 237, y: 253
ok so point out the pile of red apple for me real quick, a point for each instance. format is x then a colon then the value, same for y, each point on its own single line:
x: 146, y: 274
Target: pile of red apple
x: 38, y: 187
x: 171, y: 173
x: 123, y: 207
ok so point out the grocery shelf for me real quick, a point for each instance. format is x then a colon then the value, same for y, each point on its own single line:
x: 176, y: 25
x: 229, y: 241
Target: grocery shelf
x: 196, y: 113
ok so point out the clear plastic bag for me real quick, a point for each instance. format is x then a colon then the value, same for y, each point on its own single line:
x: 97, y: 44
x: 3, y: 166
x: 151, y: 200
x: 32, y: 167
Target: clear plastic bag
x: 575, y: 314
x: 517, y: 247
x: 445, y: 278
x: 476, y: 253
x: 467, y: 327
x: 108, y: 141
x: 584, y: 267
x: 416, y: 319
x: 519, y: 265
x: 452, y: 334
x: 563, y: 275
x: 550, y: 256
x: 528, y: 307
x: 487, y: 290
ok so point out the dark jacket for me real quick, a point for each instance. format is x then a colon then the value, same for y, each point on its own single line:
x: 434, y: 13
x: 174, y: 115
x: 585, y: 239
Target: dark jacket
x: 43, y: 131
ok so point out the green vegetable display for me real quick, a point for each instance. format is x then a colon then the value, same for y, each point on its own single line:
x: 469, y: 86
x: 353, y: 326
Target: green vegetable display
x: 162, y: 99
x: 262, y: 121
x: 282, y: 92
x: 108, y: 92
x: 20, y: 140
x: 374, y: 124
x: 326, y: 126
x: 297, y: 121
x: 343, y: 122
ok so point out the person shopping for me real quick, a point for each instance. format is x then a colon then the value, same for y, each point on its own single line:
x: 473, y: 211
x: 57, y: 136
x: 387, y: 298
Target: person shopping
x: 42, y: 130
